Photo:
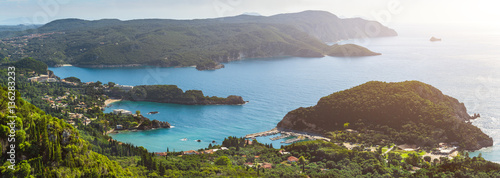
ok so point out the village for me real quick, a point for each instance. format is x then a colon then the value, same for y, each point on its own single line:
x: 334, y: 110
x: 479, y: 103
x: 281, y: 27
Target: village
x: 76, y: 107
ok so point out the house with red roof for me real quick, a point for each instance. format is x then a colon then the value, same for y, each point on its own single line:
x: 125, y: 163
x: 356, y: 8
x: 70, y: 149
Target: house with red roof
x: 292, y: 159
x: 190, y: 152
x: 267, y: 165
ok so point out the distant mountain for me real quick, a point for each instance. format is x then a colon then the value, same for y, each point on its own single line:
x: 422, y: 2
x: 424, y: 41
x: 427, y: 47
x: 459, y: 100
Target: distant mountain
x: 111, y: 42
x: 323, y: 25
x: 409, y: 112
x: 251, y: 13
x: 14, y: 28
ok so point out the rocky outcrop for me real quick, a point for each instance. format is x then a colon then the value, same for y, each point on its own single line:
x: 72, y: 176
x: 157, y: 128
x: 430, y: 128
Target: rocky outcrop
x: 160, y: 124
x: 154, y: 124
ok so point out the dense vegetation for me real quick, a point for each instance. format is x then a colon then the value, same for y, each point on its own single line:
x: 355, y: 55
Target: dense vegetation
x: 63, y: 151
x: 406, y: 112
x: 173, y: 94
x: 349, y: 50
x: 29, y: 63
x: 48, y: 146
x: 187, y: 42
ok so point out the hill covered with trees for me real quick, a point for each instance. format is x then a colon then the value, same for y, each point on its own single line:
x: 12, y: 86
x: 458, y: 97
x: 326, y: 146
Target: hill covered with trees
x: 173, y: 94
x: 111, y: 42
x: 349, y: 50
x: 408, y: 112
x: 47, y: 146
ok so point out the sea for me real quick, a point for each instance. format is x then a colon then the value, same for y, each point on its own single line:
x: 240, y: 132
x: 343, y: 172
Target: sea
x: 464, y: 65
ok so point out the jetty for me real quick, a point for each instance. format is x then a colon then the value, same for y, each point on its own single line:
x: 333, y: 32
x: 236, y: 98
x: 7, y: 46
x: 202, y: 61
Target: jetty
x: 265, y: 133
x: 287, y: 133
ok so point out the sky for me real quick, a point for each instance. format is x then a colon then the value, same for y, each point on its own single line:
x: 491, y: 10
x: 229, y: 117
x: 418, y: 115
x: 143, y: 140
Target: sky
x: 388, y: 12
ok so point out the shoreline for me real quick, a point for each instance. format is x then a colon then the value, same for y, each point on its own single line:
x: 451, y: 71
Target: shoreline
x: 109, y: 101
x: 274, y: 131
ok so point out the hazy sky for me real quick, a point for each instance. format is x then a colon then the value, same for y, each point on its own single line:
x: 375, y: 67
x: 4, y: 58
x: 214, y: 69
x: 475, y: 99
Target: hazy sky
x: 387, y: 11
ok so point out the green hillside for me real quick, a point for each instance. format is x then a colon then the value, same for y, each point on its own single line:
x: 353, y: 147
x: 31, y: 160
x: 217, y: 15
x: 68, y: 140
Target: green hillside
x: 349, y: 50
x: 111, y: 42
x: 405, y: 112
x: 48, y: 146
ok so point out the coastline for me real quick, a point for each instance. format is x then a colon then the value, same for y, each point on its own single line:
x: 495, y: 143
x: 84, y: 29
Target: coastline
x: 109, y: 101
x: 276, y: 130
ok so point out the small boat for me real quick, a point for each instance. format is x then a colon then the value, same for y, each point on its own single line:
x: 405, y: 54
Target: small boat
x: 213, y: 141
x: 184, y: 139
x: 153, y: 112
x: 198, y: 140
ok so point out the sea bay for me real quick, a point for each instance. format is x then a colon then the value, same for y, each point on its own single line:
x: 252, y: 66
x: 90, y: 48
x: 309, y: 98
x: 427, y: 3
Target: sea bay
x: 464, y: 65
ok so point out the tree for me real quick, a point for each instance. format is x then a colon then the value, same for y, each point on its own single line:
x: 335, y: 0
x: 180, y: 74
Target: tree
x: 302, y: 161
x: 73, y: 79
x: 111, y: 84
x: 427, y: 158
x: 223, y: 161
x: 138, y: 112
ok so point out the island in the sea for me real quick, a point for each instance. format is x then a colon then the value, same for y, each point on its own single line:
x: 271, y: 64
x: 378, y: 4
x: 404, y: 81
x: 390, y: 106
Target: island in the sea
x: 409, y: 112
x: 172, y: 94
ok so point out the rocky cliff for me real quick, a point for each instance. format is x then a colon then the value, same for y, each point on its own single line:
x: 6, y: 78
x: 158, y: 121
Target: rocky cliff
x: 154, y: 124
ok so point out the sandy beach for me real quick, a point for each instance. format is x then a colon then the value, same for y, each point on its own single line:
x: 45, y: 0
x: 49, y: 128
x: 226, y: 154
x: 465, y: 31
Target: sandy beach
x: 109, y: 101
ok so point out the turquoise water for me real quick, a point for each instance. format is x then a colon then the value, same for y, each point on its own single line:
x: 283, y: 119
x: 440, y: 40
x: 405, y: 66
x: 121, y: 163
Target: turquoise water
x: 464, y: 65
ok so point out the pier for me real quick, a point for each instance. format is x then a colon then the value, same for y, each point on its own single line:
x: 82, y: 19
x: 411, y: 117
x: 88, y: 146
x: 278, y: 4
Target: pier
x: 289, y: 133
x: 266, y: 133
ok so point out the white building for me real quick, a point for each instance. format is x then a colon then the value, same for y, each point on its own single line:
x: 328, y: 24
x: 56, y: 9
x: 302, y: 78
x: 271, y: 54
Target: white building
x: 125, y: 87
x: 122, y: 111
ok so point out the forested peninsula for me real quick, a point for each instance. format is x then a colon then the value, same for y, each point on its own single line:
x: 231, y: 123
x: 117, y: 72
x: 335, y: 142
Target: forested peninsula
x: 173, y: 94
x: 408, y: 112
